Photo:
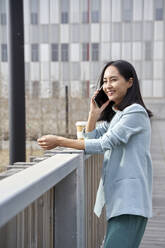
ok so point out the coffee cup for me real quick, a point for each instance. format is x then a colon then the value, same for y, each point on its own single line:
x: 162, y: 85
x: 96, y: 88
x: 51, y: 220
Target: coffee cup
x: 80, y: 125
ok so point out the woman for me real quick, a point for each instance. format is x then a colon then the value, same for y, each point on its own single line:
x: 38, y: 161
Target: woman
x: 124, y: 137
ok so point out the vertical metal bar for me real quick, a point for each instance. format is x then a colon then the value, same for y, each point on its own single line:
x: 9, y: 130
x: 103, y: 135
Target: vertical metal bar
x: 16, y: 80
x: 67, y: 108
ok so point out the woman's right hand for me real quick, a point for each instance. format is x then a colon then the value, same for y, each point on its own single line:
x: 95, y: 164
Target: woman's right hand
x: 95, y: 111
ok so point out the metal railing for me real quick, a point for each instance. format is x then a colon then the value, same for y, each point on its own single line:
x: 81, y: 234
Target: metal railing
x: 49, y: 202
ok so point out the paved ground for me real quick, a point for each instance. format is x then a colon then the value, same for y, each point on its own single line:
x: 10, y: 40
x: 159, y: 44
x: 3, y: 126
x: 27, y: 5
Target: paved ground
x: 154, y: 236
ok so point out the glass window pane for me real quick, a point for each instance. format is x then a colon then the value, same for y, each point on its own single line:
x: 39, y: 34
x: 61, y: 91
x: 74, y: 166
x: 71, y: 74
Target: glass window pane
x: 95, y: 32
x: 137, y: 10
x: 3, y: 34
x: 54, y: 52
x: 95, y: 8
x: 158, y: 50
x: 64, y: 52
x: 34, y: 18
x: 34, y: 52
x: 105, y: 32
x: 54, y: 34
x: 34, y: 6
x: 65, y: 71
x: 84, y: 6
x: 159, y: 30
x: 95, y: 51
x: 35, y: 89
x: 3, y: 18
x: 75, y: 33
x: 148, y: 50
x: 3, y: 6
x: 44, y: 33
x: 116, y: 10
x: 158, y: 88
x: 148, y: 31
x: 105, y: 51
x: 137, y: 51
x: 115, y: 50
x: 74, y: 8
x: 158, y: 70
x: 148, y: 10
x: 75, y: 70
x: 75, y: 52
x: 55, y: 89
x: 85, y: 88
x: 147, y: 88
x: 95, y: 70
x: 127, y: 32
x: 105, y: 10
x: 137, y: 31
x: 159, y: 10
x: 127, y: 11
x: 126, y: 50
x: 4, y: 55
x: 116, y: 31
x: 85, y: 35
x: 44, y: 52
x: 64, y: 11
x: 34, y: 34
x: 85, y: 51
x: 147, y: 70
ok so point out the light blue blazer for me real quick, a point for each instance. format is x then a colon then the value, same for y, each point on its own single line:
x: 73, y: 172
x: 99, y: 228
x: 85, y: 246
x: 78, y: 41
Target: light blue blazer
x: 127, y: 166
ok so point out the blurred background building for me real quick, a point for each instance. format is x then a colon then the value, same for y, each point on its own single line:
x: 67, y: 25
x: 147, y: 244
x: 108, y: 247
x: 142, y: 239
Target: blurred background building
x: 67, y: 43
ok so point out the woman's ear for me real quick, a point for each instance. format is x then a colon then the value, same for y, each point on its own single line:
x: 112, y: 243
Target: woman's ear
x: 130, y: 82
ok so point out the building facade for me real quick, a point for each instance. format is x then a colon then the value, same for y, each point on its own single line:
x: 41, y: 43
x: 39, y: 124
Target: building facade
x: 67, y: 42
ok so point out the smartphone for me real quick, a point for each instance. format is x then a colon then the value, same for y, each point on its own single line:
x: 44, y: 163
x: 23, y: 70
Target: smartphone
x: 101, y: 97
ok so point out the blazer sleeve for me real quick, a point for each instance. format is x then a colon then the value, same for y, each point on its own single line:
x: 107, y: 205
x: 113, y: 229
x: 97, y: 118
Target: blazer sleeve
x: 97, y: 132
x: 130, y: 123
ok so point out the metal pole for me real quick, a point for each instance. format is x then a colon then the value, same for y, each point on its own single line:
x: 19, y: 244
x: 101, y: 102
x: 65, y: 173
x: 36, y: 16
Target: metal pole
x: 66, y: 109
x: 16, y: 81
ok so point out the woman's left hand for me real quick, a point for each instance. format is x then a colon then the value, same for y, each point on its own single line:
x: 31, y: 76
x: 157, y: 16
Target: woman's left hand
x: 48, y: 142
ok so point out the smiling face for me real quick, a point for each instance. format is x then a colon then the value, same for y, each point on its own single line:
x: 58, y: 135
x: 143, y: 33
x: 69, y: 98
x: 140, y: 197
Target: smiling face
x: 115, y: 85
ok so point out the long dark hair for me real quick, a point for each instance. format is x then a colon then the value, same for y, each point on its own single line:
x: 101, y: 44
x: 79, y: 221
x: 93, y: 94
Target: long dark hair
x: 133, y: 94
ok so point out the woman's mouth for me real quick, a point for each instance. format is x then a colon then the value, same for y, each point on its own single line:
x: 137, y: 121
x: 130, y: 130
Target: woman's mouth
x: 110, y: 93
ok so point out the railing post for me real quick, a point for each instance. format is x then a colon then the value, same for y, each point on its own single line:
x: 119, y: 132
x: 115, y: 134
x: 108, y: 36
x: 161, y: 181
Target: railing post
x: 81, y: 239
x: 70, y: 208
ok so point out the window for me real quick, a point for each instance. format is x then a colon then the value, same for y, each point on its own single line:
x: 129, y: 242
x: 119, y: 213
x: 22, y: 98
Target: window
x: 64, y: 11
x: 95, y: 7
x: 95, y: 51
x: 55, y: 53
x: 34, y: 12
x: 148, y: 50
x: 116, y: 31
x: 4, y: 55
x: 85, y: 88
x: 34, y: 18
x: 85, y: 51
x: 35, y: 89
x: 44, y: 33
x: 34, y: 52
x: 127, y: 10
x: 64, y: 17
x: 148, y: 30
x: 159, y: 10
x: 64, y: 52
x: 85, y: 17
x: 85, y: 11
x: 55, y: 89
x: 3, y: 18
x: 75, y: 33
